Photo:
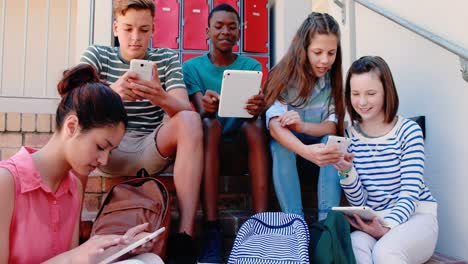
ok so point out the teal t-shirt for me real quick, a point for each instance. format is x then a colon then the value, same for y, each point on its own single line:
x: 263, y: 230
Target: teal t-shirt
x: 201, y: 75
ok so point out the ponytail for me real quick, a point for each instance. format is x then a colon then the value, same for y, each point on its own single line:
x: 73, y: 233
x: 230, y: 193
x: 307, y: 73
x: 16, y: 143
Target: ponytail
x: 92, y: 101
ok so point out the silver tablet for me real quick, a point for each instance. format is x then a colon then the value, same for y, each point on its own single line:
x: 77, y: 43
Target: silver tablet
x: 364, y: 212
x: 237, y: 87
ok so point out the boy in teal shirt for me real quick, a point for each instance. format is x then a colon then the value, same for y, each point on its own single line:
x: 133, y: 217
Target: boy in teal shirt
x: 203, y: 76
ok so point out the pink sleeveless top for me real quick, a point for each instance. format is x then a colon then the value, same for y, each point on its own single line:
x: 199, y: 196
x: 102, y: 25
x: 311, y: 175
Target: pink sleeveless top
x: 43, y: 222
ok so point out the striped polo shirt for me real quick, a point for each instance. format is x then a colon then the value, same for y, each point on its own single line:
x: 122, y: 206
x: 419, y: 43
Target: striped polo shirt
x: 388, y: 173
x: 142, y: 115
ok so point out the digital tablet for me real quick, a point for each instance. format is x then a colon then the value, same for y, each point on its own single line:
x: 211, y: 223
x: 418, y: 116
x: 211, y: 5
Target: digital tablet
x: 132, y: 246
x: 237, y: 87
x: 365, y: 212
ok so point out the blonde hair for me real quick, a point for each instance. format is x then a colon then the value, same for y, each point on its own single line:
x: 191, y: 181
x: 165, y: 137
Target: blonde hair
x: 121, y: 7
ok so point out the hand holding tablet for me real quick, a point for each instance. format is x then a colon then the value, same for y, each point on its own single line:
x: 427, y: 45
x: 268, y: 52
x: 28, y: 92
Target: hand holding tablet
x: 365, y: 212
x: 132, y: 246
x: 236, y: 90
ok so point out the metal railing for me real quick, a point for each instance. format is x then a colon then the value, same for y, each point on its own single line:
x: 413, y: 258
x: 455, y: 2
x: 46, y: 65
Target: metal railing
x: 434, y: 38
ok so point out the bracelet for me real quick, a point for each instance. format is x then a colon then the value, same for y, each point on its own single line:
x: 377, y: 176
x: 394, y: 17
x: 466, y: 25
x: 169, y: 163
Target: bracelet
x: 344, y: 174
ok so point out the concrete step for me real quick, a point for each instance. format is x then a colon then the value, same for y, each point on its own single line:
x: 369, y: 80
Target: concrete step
x: 439, y: 258
x: 231, y: 221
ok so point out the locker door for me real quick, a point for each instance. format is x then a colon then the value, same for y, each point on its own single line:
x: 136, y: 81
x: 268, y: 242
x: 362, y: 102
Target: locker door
x: 255, y: 26
x: 166, y: 24
x: 194, y: 25
x: 265, y: 68
x: 188, y: 56
x: 233, y: 3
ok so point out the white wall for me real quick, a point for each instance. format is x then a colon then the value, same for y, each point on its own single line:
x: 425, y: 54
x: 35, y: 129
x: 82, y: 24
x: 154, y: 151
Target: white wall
x: 28, y: 79
x: 289, y: 15
x: 429, y: 83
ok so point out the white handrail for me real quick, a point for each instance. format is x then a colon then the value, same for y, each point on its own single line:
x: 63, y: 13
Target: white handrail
x: 434, y: 38
x: 92, y: 11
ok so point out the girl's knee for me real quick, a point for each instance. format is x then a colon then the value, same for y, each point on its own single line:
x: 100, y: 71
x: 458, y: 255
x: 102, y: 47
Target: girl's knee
x: 385, y: 253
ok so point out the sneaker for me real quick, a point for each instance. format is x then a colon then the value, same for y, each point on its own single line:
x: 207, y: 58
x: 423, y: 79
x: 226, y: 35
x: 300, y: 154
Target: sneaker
x: 212, y: 246
x: 181, y: 249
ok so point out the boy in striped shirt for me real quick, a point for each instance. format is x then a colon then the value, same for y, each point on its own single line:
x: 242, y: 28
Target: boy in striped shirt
x: 149, y: 143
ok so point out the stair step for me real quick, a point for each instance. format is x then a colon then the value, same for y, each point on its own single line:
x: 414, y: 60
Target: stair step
x: 439, y: 258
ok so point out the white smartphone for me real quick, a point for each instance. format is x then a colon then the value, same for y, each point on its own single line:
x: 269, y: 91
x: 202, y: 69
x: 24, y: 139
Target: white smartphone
x: 342, y: 142
x: 144, y: 68
x: 132, y: 246
x: 364, y: 212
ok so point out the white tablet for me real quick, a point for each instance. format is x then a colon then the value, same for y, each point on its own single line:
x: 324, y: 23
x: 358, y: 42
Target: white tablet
x: 133, y: 246
x: 237, y: 87
x: 364, y: 212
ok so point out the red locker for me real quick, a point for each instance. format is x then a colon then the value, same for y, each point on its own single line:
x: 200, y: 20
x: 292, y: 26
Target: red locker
x: 233, y: 3
x: 194, y: 25
x: 166, y: 24
x: 264, y: 62
x: 255, y: 26
x: 188, y: 56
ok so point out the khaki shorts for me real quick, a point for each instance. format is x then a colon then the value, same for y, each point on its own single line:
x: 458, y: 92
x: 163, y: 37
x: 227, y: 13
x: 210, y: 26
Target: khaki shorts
x: 135, y: 152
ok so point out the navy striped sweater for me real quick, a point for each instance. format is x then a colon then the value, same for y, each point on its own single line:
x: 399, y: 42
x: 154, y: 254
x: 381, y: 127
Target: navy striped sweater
x: 388, y: 173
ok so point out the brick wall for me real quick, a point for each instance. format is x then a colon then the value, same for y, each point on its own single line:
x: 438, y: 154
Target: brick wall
x: 34, y: 130
x: 24, y: 129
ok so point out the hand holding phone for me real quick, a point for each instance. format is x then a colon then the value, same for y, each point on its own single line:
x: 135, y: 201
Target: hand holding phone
x: 342, y: 143
x: 143, y: 68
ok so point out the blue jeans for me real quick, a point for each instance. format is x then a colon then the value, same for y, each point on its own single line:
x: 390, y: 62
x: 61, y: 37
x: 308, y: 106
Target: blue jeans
x: 287, y: 185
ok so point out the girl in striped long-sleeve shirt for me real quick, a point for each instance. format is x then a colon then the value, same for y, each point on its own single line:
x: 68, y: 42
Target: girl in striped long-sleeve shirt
x: 385, y: 171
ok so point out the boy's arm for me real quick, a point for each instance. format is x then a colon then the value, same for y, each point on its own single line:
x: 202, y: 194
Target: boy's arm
x: 92, y: 57
x: 196, y: 99
x: 177, y: 101
x: 7, y: 201
x: 172, y: 101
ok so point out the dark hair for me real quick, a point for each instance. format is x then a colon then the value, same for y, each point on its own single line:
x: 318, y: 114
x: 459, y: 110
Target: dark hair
x: 378, y: 66
x: 92, y: 101
x: 294, y: 69
x: 223, y: 7
x: 122, y: 6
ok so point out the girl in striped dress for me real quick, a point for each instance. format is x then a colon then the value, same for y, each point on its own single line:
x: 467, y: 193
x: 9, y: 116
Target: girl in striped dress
x: 385, y: 171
